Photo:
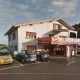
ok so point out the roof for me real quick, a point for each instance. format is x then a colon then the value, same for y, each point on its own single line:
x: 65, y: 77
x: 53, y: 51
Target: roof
x: 16, y: 26
x: 13, y: 28
x: 65, y: 24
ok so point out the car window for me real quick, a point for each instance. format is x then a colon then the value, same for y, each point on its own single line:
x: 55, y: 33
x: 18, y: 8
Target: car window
x: 4, y: 53
x: 23, y: 52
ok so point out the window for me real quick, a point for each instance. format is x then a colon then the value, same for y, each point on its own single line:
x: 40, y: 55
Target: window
x: 35, y: 37
x: 57, y: 26
x: 9, y: 37
x: 13, y: 36
x: 15, y: 47
x: 9, y: 46
x: 31, y: 35
x: 12, y: 46
x: 72, y: 35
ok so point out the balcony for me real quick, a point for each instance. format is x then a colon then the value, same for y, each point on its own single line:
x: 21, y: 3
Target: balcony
x: 44, y: 40
x: 65, y: 41
x: 58, y: 40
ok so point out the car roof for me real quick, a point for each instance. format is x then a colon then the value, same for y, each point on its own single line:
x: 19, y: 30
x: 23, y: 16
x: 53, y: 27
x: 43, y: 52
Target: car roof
x: 4, y: 51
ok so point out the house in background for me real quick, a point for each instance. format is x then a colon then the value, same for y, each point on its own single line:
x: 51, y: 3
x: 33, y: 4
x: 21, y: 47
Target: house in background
x: 52, y: 36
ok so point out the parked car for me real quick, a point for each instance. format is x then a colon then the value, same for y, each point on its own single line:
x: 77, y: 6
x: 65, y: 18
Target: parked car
x: 5, y: 57
x: 42, y: 56
x: 4, y: 48
x: 25, y: 55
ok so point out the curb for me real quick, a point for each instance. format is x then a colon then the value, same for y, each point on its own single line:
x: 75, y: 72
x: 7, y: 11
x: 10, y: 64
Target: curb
x: 57, y: 57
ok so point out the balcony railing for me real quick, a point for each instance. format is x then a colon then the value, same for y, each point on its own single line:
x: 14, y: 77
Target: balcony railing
x: 44, y: 40
x: 59, y: 40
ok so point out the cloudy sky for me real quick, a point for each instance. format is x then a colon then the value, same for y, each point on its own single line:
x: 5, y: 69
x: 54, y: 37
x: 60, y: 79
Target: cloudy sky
x: 19, y: 11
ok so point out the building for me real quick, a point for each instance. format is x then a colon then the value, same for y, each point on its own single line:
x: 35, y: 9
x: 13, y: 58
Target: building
x: 52, y: 36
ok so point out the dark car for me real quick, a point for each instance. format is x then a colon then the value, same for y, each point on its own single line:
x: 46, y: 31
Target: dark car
x: 42, y: 56
x: 25, y: 55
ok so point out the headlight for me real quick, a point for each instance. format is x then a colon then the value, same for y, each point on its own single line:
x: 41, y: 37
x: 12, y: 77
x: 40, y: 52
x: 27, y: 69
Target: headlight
x: 1, y: 61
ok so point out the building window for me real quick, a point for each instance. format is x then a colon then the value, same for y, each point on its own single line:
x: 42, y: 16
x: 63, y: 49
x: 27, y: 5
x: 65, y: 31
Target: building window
x: 31, y: 35
x: 57, y: 26
x: 15, y: 47
x: 12, y: 46
x: 14, y: 36
x: 9, y: 37
x: 35, y: 37
x: 72, y: 35
x: 9, y: 47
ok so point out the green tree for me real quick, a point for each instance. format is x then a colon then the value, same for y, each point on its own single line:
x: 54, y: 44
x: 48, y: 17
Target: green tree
x: 77, y: 28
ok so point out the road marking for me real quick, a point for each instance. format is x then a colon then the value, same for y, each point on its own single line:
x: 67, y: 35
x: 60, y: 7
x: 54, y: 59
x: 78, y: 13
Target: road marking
x: 71, y: 63
x: 71, y: 74
x: 9, y: 67
x: 18, y: 66
x: 18, y: 62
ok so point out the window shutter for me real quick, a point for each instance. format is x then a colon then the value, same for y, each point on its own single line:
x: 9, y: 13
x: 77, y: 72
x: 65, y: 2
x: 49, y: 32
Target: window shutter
x: 54, y: 26
x: 60, y: 26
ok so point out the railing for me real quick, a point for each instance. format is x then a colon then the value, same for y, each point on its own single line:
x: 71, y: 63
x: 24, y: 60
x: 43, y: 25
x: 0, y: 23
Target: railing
x: 44, y: 40
x: 59, y: 40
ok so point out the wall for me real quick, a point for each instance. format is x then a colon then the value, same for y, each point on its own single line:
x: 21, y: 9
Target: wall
x: 42, y: 29
x: 13, y: 42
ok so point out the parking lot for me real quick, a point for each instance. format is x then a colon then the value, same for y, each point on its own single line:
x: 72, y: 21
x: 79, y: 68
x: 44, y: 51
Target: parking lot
x: 54, y: 69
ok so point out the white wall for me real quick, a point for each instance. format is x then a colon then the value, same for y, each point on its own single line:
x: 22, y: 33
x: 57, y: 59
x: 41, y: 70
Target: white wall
x: 42, y: 29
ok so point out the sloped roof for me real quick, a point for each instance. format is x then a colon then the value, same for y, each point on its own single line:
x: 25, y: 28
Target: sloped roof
x: 65, y: 24
x: 14, y: 27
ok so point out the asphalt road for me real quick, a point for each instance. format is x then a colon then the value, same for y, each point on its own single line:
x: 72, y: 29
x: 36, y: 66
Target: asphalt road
x: 56, y: 69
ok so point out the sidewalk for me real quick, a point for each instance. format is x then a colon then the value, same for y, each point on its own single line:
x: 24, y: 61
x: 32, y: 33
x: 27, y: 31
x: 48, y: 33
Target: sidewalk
x: 61, y: 57
x: 57, y: 57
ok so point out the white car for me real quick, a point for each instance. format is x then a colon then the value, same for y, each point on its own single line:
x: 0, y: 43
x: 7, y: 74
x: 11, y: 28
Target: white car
x: 31, y: 57
x: 25, y: 55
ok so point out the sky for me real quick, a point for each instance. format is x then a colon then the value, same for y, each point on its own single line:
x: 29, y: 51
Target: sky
x: 20, y: 11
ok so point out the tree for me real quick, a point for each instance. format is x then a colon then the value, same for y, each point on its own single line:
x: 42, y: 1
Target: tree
x: 77, y: 28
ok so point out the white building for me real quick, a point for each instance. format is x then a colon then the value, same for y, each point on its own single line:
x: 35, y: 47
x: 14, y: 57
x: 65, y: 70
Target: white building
x: 51, y: 35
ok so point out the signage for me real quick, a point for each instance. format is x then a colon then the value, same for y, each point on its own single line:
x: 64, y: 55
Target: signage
x: 44, y: 40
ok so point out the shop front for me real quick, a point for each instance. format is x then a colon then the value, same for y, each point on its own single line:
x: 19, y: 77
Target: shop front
x: 59, y: 50
x: 65, y: 46
x: 52, y: 49
x: 59, y: 46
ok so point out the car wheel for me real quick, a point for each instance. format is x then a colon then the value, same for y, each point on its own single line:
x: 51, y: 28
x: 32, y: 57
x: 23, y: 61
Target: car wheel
x: 46, y: 60
x: 17, y: 58
x: 22, y: 61
x: 38, y: 59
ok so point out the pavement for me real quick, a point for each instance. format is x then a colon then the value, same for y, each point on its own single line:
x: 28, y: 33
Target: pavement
x: 62, y: 57
x: 57, y: 68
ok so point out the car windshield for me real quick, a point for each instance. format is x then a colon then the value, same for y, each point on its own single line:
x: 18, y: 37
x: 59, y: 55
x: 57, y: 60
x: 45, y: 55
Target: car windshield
x: 23, y: 52
x: 41, y: 52
x: 4, y: 53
